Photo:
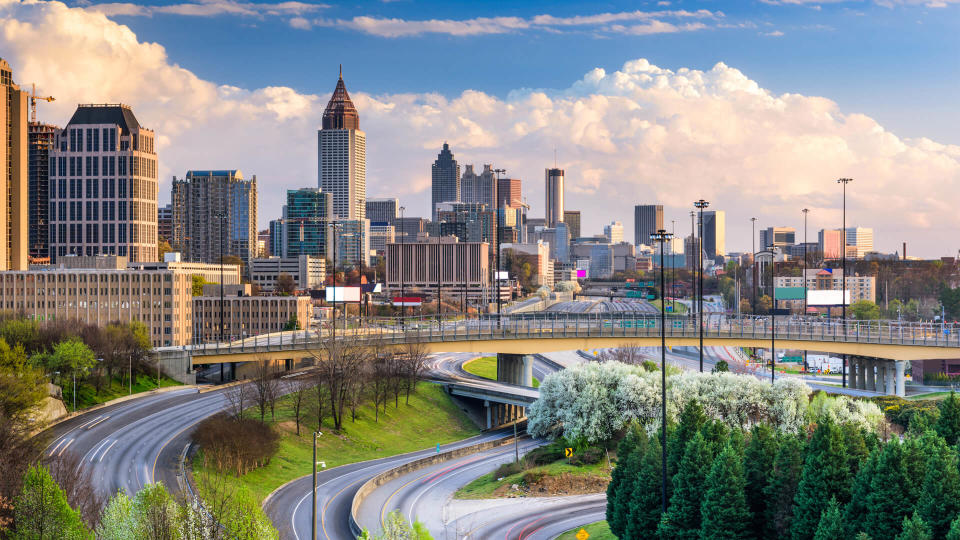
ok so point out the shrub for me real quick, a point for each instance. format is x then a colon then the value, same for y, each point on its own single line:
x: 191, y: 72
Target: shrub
x: 910, y: 415
x: 235, y: 445
x: 508, y: 469
x: 587, y: 456
x: 545, y: 455
x: 940, y: 379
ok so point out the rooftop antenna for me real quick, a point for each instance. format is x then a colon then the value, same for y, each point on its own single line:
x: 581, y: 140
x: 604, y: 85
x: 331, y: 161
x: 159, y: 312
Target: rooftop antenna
x: 341, y: 71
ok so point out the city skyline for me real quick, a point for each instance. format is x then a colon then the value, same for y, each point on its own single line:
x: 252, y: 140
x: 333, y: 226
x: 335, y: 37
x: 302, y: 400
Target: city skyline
x: 765, y: 138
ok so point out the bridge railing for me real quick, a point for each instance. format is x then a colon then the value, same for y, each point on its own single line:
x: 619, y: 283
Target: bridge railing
x: 567, y: 325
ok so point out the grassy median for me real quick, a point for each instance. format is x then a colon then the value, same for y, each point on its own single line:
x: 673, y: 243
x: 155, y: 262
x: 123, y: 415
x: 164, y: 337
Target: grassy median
x: 486, y: 367
x: 598, y: 531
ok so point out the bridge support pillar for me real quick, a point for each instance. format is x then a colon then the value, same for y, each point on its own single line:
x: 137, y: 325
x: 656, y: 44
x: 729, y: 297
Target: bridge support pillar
x: 860, y: 380
x: 880, y: 384
x: 486, y: 405
x: 891, y: 384
x: 871, y: 378
x: 900, y: 382
x: 515, y: 369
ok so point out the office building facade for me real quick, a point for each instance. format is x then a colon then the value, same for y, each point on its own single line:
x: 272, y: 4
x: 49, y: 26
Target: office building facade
x: 305, y: 226
x: 352, y: 237
x: 469, y: 222
x: 647, y: 219
x: 478, y: 188
x: 14, y: 164
x: 510, y: 193
x: 613, y: 232
x: 381, y: 234
x: 553, y: 191
x: 307, y: 272
x: 165, y: 223
x: 244, y: 315
x: 461, y: 266
x: 42, y: 138
x: 572, y: 219
x: 445, y: 180
x: 779, y: 237
x: 103, y: 193
x: 715, y: 233
x: 342, y: 156
x: 205, y: 201
x: 383, y: 210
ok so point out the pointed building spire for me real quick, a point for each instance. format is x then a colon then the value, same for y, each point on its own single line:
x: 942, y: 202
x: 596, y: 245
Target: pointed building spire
x: 340, y: 112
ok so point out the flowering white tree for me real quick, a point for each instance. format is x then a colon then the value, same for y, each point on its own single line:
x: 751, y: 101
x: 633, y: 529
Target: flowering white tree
x: 593, y: 401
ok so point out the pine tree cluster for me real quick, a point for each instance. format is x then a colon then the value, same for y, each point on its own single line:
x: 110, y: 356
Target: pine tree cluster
x: 832, y: 482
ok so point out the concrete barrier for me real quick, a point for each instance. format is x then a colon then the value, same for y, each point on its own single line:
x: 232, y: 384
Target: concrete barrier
x: 412, y: 466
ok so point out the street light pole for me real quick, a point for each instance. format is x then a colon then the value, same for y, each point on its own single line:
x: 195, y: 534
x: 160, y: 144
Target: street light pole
x: 673, y: 267
x: 701, y: 204
x: 843, y: 278
x: 313, y: 511
x: 753, y: 262
x: 221, y: 216
x: 400, y: 269
x: 805, y: 212
x: 496, y: 237
x: 663, y: 237
x: 333, y: 227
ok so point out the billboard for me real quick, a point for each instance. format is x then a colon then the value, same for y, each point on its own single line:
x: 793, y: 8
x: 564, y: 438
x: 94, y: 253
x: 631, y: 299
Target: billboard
x: 407, y: 301
x: 827, y: 298
x: 343, y: 294
x: 503, y: 276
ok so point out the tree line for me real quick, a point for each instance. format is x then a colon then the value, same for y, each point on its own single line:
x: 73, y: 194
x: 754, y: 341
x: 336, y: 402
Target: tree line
x: 832, y: 481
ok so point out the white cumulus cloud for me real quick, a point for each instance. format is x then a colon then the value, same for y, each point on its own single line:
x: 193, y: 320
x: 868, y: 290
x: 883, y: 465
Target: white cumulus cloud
x: 637, y: 134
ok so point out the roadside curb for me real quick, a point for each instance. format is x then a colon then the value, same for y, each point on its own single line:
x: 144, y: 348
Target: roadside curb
x: 415, y: 465
x: 114, y: 401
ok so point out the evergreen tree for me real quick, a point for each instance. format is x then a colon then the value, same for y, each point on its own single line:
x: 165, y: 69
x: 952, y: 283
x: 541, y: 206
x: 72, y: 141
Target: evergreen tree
x: 618, y: 478
x: 948, y: 425
x: 888, y: 491
x: 854, y: 442
x: 825, y: 474
x: 914, y: 529
x: 758, y: 458
x: 954, y: 533
x: 691, y: 420
x: 917, y: 454
x: 857, y: 507
x: 716, y: 434
x: 940, y: 496
x: 645, y: 501
x: 782, y: 489
x: 831, y: 523
x: 724, y: 512
x: 41, y: 511
x: 682, y: 520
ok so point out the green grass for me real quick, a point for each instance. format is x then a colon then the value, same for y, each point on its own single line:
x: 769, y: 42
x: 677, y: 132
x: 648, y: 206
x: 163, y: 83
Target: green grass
x: 931, y: 395
x: 430, y: 418
x: 485, y: 486
x: 677, y: 306
x: 486, y: 367
x: 88, y: 397
x: 598, y: 531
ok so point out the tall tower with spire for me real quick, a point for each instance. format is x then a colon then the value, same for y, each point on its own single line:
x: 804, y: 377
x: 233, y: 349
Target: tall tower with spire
x: 342, y: 155
x: 445, y: 174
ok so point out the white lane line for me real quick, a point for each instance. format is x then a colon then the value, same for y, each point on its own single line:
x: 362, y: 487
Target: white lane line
x: 57, y: 446
x: 97, y: 422
x: 104, y: 454
x: 65, y: 447
x: 97, y: 449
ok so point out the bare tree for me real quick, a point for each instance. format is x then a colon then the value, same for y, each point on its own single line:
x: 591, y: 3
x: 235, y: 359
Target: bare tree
x: 339, y: 364
x: 239, y: 397
x: 380, y: 371
x: 298, y: 390
x: 317, y: 396
x: 265, y: 386
x: 630, y: 353
x: 415, y: 361
x: 77, y: 482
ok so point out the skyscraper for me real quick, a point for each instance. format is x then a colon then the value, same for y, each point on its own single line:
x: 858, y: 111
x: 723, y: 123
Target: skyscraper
x: 342, y: 156
x: 647, y: 219
x: 165, y: 223
x: 41, y: 137
x: 714, y: 233
x: 445, y: 174
x: 614, y: 232
x: 105, y: 202
x: 554, y: 196
x: 779, y: 237
x: 383, y: 210
x: 509, y: 193
x: 304, y: 229
x: 198, y: 202
x: 14, y: 166
x: 572, y: 219
x: 478, y: 188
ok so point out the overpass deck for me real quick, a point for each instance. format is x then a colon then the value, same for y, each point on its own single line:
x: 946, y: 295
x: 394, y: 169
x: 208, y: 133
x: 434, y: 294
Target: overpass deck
x: 544, y: 332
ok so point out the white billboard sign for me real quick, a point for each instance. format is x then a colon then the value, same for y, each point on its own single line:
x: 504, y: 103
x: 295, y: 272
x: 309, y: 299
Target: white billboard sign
x: 503, y: 276
x: 827, y: 298
x: 343, y: 294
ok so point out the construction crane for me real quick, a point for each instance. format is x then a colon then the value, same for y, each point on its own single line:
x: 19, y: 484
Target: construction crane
x: 33, y: 102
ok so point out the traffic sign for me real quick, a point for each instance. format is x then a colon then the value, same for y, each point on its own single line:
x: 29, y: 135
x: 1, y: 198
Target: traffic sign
x: 568, y: 452
x: 582, y: 534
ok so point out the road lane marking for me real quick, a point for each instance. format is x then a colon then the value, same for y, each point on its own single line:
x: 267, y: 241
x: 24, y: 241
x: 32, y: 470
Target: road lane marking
x: 102, y: 418
x: 57, y: 446
x: 97, y: 449
x: 65, y: 447
x: 104, y: 454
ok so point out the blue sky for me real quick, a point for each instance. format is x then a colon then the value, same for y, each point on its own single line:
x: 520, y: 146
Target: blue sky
x: 899, y: 63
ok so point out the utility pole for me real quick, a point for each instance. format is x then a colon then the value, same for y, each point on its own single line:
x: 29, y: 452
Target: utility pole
x: 753, y: 262
x: 402, y: 250
x: 313, y: 511
x: 701, y: 204
x: 843, y: 280
x: 221, y: 215
x: 805, y: 212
